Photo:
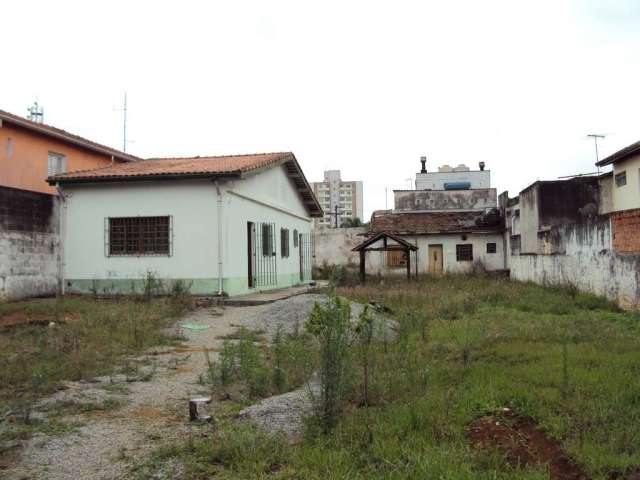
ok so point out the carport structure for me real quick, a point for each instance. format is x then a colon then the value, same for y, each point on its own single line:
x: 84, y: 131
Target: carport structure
x: 384, y: 242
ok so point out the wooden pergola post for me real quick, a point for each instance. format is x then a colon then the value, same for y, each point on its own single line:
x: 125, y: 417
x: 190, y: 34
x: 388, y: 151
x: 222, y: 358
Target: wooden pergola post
x: 399, y: 245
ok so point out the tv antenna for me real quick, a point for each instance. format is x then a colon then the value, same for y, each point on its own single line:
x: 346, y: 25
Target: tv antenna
x: 595, y: 137
x: 36, y: 113
x: 124, y: 123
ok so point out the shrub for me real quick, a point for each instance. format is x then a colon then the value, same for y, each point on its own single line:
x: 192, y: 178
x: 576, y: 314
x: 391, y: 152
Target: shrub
x: 331, y: 327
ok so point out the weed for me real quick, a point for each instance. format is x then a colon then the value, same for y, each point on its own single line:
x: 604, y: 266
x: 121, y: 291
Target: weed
x: 330, y: 325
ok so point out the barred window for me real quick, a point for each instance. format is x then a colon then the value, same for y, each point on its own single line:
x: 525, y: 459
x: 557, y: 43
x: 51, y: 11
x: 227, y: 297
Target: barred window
x: 139, y: 236
x: 491, y: 248
x: 267, y: 240
x: 396, y: 258
x: 295, y: 238
x: 464, y: 252
x: 284, y: 242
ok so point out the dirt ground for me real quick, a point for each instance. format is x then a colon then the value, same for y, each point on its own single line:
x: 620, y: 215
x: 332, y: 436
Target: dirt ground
x: 152, y: 410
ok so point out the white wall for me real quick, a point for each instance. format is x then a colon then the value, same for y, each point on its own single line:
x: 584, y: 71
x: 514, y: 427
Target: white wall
x: 628, y: 196
x: 192, y: 204
x: 333, y: 245
x: 268, y: 196
x: 587, y: 262
x: 436, y: 180
x: 376, y: 261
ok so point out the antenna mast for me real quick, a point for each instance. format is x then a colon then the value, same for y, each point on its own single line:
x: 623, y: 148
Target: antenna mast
x: 36, y: 113
x: 124, y: 124
x: 595, y: 137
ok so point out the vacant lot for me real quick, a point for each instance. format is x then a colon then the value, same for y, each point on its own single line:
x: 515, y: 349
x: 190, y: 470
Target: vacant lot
x: 483, y: 379
x: 470, y: 378
x: 46, y: 342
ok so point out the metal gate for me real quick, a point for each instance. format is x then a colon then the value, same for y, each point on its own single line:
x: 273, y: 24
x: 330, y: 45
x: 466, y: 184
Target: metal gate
x: 305, y: 245
x: 262, y: 254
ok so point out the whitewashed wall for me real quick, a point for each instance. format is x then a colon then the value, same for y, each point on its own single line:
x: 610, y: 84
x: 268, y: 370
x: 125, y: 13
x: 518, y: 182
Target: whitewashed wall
x: 587, y: 262
x: 192, y: 204
x: 376, y: 261
x: 333, y: 245
x: 268, y: 196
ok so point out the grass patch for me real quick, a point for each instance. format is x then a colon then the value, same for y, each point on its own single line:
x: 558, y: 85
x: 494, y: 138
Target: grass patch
x: 88, y: 338
x: 465, y: 346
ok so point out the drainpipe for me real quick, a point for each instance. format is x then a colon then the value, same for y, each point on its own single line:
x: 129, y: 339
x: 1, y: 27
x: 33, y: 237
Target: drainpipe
x: 219, y: 193
x: 61, y: 235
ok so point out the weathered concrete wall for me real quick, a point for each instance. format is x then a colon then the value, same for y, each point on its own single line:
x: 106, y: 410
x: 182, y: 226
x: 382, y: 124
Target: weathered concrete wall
x: 445, y: 199
x: 529, y: 220
x: 605, y: 200
x: 333, y: 245
x: 583, y: 258
x: 29, y: 243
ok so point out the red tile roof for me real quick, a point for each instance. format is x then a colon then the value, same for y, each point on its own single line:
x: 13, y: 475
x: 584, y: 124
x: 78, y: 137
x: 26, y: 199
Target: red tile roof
x: 64, y: 136
x: 416, y: 223
x: 197, y: 167
x: 183, y: 167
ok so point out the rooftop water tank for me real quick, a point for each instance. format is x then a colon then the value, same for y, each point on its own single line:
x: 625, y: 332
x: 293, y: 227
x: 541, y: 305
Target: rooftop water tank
x: 457, y: 185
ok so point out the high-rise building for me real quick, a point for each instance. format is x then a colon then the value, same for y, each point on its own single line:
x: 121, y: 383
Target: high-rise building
x: 334, y: 192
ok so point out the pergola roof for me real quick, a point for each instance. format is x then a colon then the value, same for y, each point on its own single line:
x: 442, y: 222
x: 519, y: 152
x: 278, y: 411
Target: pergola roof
x: 403, y: 244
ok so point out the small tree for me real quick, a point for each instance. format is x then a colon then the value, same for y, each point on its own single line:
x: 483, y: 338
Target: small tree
x: 331, y: 326
x: 351, y: 223
x: 364, y: 330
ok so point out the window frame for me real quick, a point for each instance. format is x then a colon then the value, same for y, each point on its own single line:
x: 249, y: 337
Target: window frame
x: 268, y: 246
x: 461, y: 255
x: 396, y: 259
x: 620, y: 179
x: 109, y: 237
x: 61, y: 160
x: 494, y: 248
x: 284, y: 243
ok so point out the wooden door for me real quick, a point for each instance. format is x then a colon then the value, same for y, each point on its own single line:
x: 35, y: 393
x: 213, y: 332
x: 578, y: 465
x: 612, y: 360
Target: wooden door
x: 435, y: 259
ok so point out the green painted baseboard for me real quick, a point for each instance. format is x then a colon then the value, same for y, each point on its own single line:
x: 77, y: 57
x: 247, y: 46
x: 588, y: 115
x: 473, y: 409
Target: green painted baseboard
x: 197, y: 286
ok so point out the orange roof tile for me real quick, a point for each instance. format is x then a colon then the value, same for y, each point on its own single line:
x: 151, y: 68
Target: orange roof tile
x: 188, y: 166
x: 197, y: 167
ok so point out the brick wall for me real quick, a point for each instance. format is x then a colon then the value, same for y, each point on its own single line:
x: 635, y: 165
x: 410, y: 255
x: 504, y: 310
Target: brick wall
x: 29, y: 242
x: 626, y: 231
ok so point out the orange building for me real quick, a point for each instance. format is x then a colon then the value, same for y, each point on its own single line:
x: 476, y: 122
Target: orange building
x: 31, y: 151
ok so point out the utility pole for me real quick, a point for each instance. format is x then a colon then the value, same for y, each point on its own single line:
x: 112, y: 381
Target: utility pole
x: 335, y: 215
x: 595, y: 137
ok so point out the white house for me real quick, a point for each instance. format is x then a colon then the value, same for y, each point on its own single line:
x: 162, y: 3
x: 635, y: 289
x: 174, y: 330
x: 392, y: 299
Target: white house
x: 454, y: 223
x: 231, y: 224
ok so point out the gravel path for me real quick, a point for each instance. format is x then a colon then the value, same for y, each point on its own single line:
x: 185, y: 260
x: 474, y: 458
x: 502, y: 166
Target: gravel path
x: 153, y: 411
x: 154, y: 399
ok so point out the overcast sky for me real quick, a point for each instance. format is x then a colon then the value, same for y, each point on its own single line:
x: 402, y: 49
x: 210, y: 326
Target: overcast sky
x: 366, y: 87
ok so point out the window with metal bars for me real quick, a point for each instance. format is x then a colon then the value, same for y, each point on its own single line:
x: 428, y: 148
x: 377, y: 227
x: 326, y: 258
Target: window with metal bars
x: 491, y: 248
x: 396, y: 258
x: 139, y: 236
x: 464, y: 252
x: 284, y: 242
x: 268, y: 245
x: 295, y: 238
